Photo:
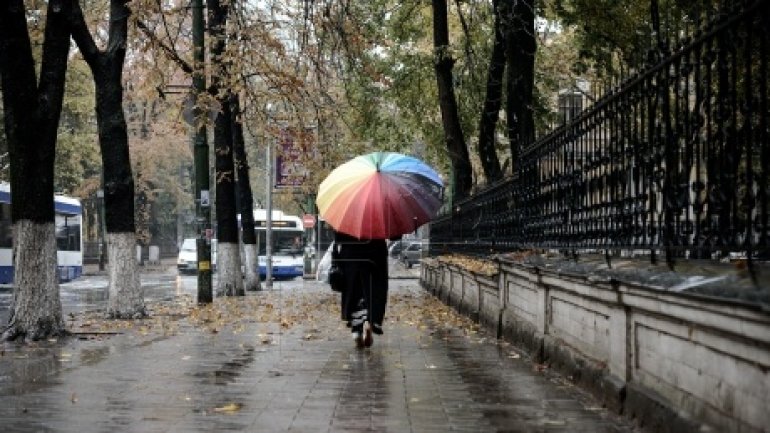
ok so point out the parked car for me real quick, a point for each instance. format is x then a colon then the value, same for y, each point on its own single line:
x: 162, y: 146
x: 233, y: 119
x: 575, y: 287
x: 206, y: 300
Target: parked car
x: 411, y: 254
x: 394, y: 249
x: 187, y: 260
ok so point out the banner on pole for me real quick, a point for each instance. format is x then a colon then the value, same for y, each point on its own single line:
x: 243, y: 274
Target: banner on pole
x: 294, y: 150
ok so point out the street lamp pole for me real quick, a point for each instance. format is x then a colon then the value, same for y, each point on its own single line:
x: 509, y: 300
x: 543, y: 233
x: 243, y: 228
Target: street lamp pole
x: 201, y: 156
x: 269, y: 215
x: 102, y: 237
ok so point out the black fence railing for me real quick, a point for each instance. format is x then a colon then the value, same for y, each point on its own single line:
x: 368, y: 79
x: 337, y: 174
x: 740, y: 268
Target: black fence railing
x: 674, y: 161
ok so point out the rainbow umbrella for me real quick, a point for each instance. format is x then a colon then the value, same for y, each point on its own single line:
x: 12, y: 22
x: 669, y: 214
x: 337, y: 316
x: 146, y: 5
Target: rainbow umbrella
x: 380, y: 195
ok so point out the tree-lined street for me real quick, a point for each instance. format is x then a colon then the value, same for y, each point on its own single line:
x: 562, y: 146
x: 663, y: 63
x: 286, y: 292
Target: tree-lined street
x: 586, y: 179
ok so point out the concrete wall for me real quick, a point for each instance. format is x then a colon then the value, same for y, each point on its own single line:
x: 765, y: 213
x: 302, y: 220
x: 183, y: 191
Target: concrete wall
x: 672, y: 361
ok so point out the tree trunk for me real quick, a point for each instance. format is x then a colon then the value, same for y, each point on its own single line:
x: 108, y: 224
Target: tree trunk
x: 245, y: 200
x: 126, y: 295
x: 230, y: 281
x: 493, y: 101
x: 36, y: 311
x: 31, y: 121
x: 462, y: 172
x: 520, y: 57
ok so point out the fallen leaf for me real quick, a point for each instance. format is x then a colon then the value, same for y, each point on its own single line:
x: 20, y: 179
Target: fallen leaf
x: 229, y: 408
x: 554, y: 422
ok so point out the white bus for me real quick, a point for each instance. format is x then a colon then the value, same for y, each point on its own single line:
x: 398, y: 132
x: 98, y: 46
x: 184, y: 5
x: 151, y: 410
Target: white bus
x: 288, y: 246
x: 69, y: 239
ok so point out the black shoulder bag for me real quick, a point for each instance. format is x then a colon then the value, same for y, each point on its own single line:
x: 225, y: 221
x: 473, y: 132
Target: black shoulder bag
x: 336, y: 277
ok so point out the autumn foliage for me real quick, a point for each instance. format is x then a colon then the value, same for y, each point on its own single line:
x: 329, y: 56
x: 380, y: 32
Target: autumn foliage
x: 476, y: 265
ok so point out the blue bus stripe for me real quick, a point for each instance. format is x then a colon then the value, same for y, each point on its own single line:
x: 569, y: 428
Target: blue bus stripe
x: 66, y: 208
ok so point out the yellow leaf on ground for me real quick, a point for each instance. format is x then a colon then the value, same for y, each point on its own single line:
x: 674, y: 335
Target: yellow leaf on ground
x: 229, y: 408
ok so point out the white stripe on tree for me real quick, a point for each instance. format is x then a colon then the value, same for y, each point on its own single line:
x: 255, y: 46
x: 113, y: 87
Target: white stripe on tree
x: 126, y: 294
x: 229, y: 277
x: 36, y: 310
x: 251, y: 280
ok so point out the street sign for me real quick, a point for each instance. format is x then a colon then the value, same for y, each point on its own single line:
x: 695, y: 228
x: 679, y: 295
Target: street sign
x: 308, y: 221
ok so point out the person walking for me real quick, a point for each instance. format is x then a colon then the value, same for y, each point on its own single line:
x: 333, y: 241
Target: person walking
x: 364, y: 266
x: 373, y: 197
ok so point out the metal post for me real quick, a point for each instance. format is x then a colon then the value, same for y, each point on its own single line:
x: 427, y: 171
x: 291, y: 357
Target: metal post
x: 269, y: 216
x: 102, y: 228
x: 318, y: 233
x: 309, y: 239
x: 201, y: 156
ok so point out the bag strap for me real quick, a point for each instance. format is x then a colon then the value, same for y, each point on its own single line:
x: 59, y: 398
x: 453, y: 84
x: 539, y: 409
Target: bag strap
x: 335, y: 253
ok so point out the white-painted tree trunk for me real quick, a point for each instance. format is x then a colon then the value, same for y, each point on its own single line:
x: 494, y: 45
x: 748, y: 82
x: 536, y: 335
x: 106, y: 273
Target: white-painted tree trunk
x: 36, y: 311
x: 126, y: 294
x: 229, y: 277
x: 251, y: 280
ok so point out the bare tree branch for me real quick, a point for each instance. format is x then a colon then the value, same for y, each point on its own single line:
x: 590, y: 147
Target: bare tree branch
x: 170, y: 52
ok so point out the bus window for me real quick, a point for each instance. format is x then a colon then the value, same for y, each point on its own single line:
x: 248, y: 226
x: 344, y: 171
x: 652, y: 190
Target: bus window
x: 288, y: 243
x: 6, y: 233
x: 67, y: 232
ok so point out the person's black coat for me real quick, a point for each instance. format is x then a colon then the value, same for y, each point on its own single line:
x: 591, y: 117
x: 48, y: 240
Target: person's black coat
x: 364, y: 264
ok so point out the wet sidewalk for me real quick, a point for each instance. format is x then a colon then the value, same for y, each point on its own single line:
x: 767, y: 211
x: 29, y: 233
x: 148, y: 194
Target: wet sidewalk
x: 282, y: 361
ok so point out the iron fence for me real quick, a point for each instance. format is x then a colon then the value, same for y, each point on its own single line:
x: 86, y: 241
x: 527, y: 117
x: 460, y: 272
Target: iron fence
x: 673, y: 161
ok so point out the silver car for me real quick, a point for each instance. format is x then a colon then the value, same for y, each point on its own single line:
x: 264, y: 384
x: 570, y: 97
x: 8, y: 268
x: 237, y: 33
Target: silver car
x: 411, y: 254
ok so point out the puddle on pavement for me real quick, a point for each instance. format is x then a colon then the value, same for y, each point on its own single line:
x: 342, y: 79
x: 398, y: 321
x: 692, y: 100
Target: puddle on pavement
x: 92, y: 293
x: 229, y: 371
x: 94, y: 356
x: 527, y: 402
x: 27, y: 369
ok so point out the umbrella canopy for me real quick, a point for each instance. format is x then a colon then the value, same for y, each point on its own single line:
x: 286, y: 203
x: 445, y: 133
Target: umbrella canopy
x: 380, y: 195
